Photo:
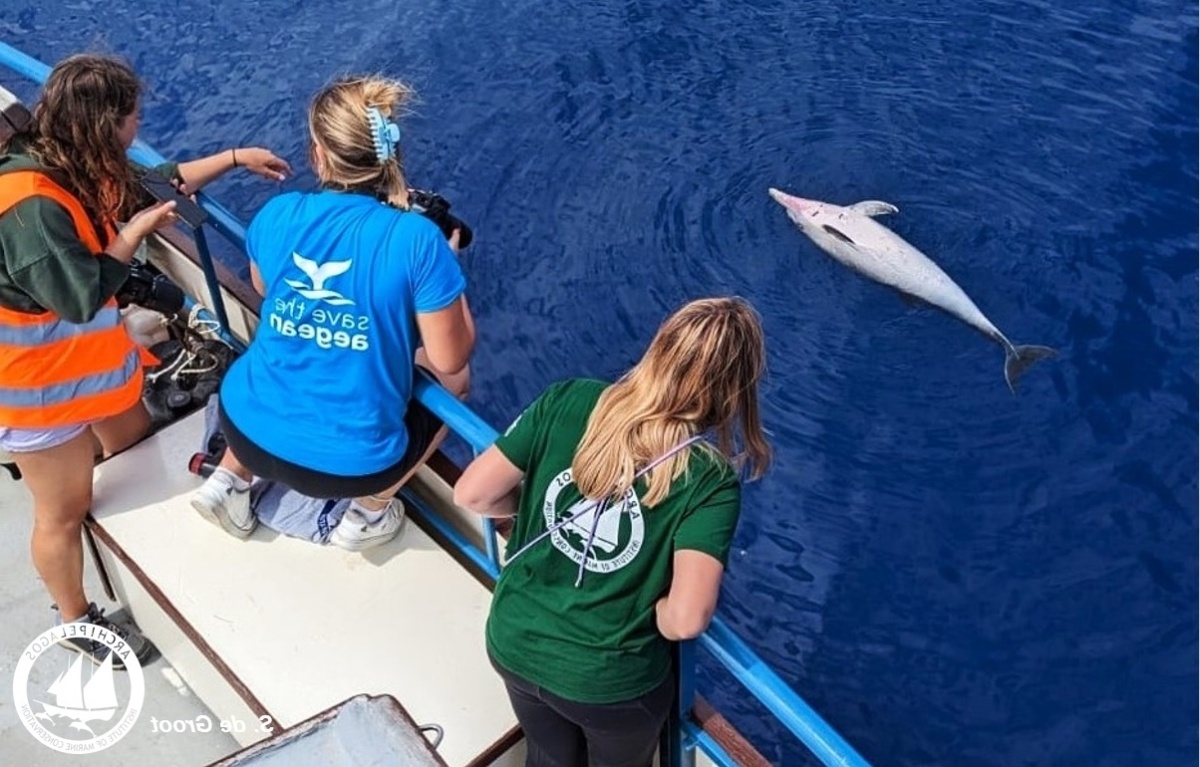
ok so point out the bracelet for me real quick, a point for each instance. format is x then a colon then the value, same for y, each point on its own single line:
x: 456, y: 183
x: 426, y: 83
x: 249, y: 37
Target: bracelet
x: 234, y: 153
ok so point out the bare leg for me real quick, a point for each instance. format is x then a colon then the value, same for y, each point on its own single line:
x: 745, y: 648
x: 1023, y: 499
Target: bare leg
x: 381, y: 499
x: 457, y: 384
x: 230, y: 462
x: 60, y: 479
x: 122, y: 430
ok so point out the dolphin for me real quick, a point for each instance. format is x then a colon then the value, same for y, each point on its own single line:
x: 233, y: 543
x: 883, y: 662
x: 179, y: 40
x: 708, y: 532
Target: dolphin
x: 82, y: 726
x: 852, y: 236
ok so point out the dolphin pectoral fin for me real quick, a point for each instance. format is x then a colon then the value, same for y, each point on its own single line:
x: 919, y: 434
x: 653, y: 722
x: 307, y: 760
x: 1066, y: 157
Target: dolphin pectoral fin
x: 874, y: 208
x: 1018, y: 359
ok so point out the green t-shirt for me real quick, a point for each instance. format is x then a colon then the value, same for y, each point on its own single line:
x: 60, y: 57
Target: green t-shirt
x: 597, y: 643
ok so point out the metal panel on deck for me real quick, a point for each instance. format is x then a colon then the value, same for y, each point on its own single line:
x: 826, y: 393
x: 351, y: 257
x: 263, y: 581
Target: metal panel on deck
x: 360, y: 732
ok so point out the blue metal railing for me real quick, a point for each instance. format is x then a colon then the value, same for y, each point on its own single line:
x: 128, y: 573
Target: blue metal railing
x: 719, y: 640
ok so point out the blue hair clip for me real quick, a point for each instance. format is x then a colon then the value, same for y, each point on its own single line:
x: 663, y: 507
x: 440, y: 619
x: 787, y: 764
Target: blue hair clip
x: 384, y: 133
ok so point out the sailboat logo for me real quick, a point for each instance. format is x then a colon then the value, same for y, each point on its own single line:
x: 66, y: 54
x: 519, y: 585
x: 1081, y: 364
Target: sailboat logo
x: 582, y: 515
x: 601, y: 545
x: 68, y: 708
x: 82, y: 703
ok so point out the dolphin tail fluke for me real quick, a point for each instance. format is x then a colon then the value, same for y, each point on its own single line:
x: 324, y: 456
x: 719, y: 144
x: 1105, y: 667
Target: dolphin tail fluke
x: 1018, y: 359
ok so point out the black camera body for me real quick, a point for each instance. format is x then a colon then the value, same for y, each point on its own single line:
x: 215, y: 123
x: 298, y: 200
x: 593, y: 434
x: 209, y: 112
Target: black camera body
x: 437, y: 209
x: 150, y: 289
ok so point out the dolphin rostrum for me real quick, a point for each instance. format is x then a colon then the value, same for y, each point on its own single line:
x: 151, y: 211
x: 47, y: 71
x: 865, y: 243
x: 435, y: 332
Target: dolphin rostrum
x: 852, y: 236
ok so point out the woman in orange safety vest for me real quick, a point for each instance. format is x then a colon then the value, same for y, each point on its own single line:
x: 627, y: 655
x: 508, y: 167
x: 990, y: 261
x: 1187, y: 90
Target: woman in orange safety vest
x: 70, y: 375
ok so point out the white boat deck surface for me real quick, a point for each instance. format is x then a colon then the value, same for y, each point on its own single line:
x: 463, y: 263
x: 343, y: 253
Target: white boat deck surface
x: 305, y: 626
x: 26, y: 610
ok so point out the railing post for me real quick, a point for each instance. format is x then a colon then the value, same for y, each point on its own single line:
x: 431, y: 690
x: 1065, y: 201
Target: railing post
x: 489, y: 540
x: 675, y: 750
x: 216, y: 301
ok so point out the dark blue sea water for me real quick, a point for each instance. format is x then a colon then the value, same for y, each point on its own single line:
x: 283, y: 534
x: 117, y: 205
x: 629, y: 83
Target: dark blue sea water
x: 951, y: 575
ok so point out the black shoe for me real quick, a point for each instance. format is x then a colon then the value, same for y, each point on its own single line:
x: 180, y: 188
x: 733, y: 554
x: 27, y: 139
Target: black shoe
x: 98, y: 651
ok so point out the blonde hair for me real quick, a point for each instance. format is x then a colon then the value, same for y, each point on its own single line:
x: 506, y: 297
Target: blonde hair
x: 700, y: 373
x: 337, y: 122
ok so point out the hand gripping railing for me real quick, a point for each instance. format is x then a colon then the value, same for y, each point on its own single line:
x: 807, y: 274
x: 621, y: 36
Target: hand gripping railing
x: 720, y: 640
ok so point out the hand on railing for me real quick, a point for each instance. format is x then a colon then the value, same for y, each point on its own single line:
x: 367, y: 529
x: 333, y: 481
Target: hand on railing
x: 261, y: 161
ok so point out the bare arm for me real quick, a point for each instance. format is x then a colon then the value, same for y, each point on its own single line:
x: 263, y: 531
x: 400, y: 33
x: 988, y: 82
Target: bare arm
x: 197, y: 173
x: 140, y: 225
x: 449, y: 336
x: 458, y: 384
x: 687, y: 608
x: 256, y: 279
x: 490, y: 485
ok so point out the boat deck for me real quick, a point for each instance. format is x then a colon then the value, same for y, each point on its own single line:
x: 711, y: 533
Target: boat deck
x: 270, y: 626
x: 277, y: 627
x: 26, y: 609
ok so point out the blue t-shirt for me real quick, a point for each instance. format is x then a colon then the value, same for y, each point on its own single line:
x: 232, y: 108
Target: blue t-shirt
x: 327, y: 378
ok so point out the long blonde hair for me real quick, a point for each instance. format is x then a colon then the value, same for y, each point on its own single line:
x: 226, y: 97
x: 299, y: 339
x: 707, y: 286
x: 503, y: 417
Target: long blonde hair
x: 700, y: 373
x: 338, y: 123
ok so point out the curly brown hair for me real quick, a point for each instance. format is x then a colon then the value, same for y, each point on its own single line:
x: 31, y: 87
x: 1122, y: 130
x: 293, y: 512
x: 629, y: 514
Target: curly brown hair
x: 75, y: 126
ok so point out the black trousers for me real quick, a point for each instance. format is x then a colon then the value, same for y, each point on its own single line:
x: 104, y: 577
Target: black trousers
x: 564, y: 733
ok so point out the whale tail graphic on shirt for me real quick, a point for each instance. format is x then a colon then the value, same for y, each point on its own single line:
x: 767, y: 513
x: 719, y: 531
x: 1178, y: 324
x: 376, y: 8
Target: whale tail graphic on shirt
x: 317, y: 275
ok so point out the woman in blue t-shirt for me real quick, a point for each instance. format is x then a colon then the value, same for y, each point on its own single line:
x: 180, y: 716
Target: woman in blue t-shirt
x: 355, y: 290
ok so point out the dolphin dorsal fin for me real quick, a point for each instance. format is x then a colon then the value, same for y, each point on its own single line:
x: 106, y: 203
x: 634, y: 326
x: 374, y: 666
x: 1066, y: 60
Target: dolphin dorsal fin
x: 874, y: 208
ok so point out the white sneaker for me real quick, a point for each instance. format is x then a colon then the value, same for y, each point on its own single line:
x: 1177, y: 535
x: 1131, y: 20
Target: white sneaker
x: 355, y: 533
x: 221, y: 502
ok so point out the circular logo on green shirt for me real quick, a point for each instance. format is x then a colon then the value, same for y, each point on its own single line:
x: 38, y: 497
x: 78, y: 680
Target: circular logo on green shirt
x: 619, y: 531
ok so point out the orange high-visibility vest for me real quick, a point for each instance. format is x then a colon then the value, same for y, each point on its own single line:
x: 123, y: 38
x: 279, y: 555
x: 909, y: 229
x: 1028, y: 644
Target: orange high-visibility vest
x: 53, y: 372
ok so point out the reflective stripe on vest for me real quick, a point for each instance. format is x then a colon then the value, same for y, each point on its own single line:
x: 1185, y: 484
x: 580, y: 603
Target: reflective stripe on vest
x: 53, y: 372
x: 58, y: 330
x: 57, y: 394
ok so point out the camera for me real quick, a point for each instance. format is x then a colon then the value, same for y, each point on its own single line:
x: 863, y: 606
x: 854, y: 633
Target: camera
x: 150, y: 289
x: 437, y: 209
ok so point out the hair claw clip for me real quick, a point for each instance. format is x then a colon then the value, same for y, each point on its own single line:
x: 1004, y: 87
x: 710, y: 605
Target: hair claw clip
x: 385, y: 134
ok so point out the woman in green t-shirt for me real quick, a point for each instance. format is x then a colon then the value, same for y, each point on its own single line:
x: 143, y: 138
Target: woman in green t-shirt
x: 624, y: 517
